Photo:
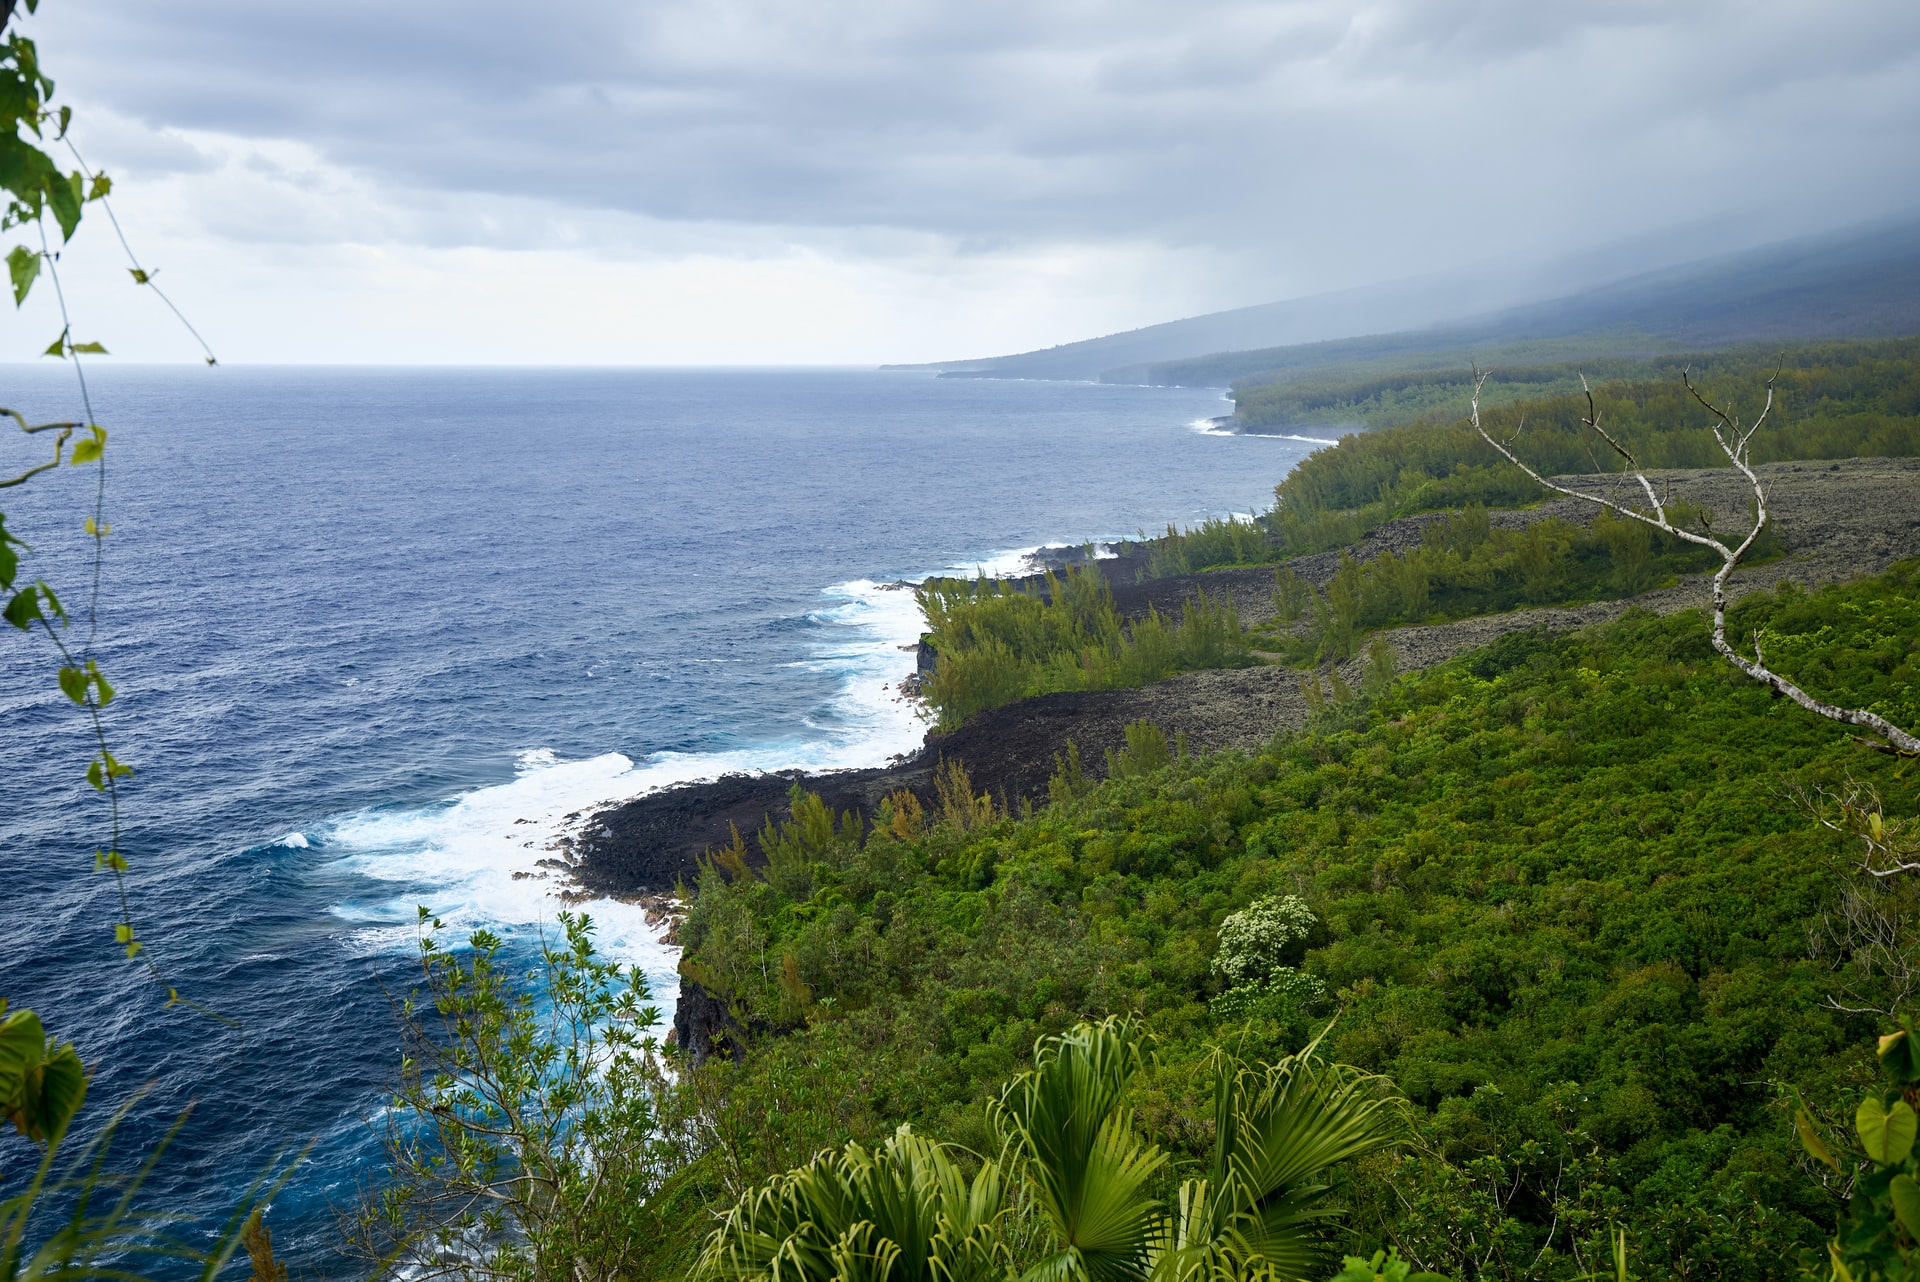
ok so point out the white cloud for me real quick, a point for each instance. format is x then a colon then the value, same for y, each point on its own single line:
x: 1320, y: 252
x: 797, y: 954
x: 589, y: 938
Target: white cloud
x: 279, y: 255
x: 1097, y: 165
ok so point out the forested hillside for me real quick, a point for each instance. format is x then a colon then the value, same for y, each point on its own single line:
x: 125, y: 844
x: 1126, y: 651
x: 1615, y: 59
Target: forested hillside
x: 1837, y: 400
x: 1857, y: 284
x: 1826, y: 376
x: 1568, y: 894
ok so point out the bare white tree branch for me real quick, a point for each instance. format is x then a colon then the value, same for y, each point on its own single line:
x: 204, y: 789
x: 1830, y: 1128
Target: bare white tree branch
x: 1735, y: 442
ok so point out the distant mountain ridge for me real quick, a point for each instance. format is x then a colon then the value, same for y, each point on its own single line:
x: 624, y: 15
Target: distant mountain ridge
x: 1861, y: 282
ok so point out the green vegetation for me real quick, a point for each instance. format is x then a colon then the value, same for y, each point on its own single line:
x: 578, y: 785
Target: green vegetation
x: 1878, y: 1235
x: 1838, y: 400
x: 1344, y: 360
x: 1215, y: 541
x: 1559, y: 891
x: 1082, y: 1178
x: 1401, y: 397
x: 1348, y: 400
x: 1465, y: 567
x: 998, y: 642
x: 524, y: 1141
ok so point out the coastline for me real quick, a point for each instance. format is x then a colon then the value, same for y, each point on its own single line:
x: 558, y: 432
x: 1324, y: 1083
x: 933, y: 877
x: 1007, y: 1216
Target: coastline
x: 648, y: 845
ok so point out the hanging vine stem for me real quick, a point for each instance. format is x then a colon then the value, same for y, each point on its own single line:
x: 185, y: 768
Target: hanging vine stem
x: 141, y: 275
x: 96, y: 526
x: 59, y: 446
x: 39, y: 189
x: 80, y: 676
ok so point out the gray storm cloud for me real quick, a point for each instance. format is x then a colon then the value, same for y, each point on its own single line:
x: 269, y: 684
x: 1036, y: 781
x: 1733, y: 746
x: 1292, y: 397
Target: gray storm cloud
x: 1329, y: 142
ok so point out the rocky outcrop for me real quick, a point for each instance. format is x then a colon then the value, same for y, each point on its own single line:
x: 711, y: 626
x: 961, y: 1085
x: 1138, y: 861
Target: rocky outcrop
x: 703, y: 1026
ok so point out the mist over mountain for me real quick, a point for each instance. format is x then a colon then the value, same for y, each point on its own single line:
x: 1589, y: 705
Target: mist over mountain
x: 1861, y: 281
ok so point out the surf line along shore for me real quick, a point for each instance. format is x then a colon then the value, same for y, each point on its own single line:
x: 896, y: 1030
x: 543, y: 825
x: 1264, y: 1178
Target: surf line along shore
x: 1838, y: 520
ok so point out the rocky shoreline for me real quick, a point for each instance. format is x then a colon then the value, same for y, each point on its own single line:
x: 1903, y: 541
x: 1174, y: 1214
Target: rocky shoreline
x: 1837, y: 519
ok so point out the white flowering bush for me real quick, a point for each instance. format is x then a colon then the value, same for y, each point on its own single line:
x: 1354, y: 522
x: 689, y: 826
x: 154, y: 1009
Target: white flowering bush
x: 1254, y: 943
x: 1254, y: 940
x: 1282, y: 998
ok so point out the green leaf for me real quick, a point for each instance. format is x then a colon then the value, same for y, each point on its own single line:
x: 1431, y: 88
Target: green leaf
x: 23, y: 265
x: 73, y: 682
x: 101, y: 186
x: 42, y: 1083
x: 24, y: 608
x: 1906, y: 1202
x: 23, y: 1043
x: 105, y: 692
x: 1810, y: 1138
x: 58, y: 347
x: 63, y: 1088
x: 93, y: 348
x: 9, y: 559
x: 63, y: 197
x: 140, y: 277
x: 1886, y: 1133
x: 1898, y: 1055
x: 91, y: 448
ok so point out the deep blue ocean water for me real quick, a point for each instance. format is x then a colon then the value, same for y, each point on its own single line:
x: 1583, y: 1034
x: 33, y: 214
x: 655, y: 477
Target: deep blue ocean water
x: 364, y: 623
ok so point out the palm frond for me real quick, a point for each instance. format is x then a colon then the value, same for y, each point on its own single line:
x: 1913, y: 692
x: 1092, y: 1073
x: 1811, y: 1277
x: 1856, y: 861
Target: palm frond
x: 1089, y: 1172
x: 903, y: 1212
x: 1279, y: 1128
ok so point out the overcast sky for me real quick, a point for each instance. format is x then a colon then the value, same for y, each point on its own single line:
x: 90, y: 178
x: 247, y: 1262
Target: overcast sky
x: 746, y: 181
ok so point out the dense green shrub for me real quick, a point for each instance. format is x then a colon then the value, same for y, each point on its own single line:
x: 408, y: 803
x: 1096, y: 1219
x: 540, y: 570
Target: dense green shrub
x: 1465, y: 567
x: 998, y: 642
x: 1564, y: 894
x: 1837, y: 400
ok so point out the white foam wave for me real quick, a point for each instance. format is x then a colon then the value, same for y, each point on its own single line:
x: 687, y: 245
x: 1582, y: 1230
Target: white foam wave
x: 1212, y: 427
x: 1000, y: 565
x: 293, y: 841
x: 496, y: 856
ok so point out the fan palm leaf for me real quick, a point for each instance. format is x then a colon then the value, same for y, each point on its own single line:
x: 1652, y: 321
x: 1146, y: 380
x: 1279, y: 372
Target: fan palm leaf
x: 902, y: 1212
x: 1089, y: 1174
x: 1279, y: 1129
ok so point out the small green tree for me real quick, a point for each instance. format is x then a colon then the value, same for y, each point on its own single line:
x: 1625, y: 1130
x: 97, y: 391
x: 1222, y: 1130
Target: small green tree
x: 522, y: 1142
x: 1256, y: 945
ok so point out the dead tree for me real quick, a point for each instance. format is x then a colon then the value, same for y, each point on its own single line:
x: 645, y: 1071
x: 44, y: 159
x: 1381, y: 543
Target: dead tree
x: 1735, y: 442
x: 1871, y: 937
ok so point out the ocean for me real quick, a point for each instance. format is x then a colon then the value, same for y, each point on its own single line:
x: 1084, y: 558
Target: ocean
x: 377, y: 633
